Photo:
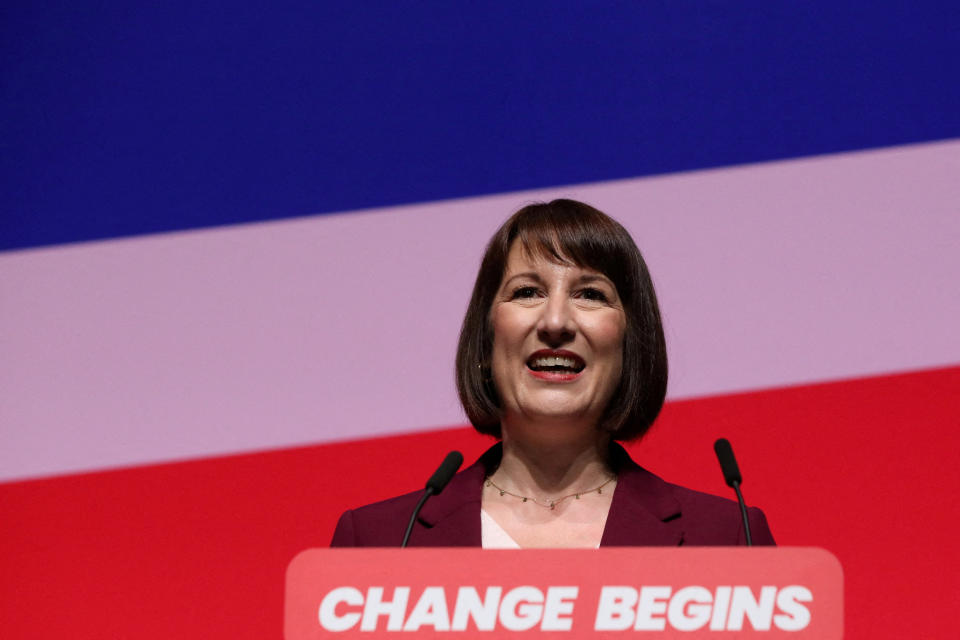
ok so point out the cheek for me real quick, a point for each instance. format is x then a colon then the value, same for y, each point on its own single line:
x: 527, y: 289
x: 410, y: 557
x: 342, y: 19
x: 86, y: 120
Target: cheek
x: 609, y: 335
x: 507, y: 329
x: 500, y: 351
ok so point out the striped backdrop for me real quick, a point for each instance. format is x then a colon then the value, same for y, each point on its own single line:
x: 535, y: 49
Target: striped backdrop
x: 237, y: 241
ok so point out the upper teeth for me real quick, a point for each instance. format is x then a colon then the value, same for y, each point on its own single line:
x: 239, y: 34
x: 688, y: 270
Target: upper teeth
x: 554, y: 361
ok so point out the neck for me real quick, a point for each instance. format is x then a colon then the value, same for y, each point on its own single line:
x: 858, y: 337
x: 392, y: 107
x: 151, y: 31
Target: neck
x: 553, y: 466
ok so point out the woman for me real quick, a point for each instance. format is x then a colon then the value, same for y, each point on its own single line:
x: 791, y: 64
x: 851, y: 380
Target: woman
x: 561, y: 354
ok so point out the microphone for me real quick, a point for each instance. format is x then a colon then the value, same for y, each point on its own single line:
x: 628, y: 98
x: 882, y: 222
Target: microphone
x: 435, y: 485
x: 444, y: 472
x: 731, y: 475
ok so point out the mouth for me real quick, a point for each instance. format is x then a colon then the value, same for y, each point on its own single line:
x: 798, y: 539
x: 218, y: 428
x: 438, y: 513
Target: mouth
x: 549, y: 362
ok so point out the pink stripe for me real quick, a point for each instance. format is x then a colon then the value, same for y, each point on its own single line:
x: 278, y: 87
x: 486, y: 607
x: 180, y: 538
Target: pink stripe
x: 338, y: 327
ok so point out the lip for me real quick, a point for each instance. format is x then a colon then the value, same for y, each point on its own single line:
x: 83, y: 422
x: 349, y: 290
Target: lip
x: 556, y: 376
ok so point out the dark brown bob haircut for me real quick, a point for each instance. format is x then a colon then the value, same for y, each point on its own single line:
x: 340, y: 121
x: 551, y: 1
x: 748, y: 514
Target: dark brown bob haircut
x: 570, y: 232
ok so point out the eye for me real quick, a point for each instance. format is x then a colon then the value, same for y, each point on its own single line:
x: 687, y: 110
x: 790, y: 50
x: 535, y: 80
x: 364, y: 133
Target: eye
x: 591, y: 293
x: 523, y: 292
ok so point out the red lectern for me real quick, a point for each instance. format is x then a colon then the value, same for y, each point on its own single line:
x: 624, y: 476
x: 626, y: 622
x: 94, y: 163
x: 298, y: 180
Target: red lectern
x: 572, y: 593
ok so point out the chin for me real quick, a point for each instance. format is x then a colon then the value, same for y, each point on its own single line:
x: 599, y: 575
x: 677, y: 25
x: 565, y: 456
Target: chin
x: 562, y: 414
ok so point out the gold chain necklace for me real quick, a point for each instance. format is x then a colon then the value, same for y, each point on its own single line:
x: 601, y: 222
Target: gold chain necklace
x: 549, y: 504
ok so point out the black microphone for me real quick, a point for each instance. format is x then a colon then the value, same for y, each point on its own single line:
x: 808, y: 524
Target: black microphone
x: 435, y: 485
x: 731, y: 475
x: 444, y: 472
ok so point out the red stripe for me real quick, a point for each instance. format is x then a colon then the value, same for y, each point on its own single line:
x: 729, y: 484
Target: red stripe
x: 864, y: 468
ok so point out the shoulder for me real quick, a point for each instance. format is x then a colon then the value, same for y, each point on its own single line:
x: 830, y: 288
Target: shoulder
x: 700, y: 519
x: 380, y: 524
x: 451, y: 518
x: 712, y: 520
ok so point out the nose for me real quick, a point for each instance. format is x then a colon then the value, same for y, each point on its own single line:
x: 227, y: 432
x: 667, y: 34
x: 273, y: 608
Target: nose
x: 556, y: 325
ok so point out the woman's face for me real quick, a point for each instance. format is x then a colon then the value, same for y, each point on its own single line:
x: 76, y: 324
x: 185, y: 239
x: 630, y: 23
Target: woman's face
x: 558, y: 340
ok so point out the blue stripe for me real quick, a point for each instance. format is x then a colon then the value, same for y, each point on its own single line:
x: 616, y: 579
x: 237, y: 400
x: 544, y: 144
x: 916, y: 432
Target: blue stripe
x: 121, y: 119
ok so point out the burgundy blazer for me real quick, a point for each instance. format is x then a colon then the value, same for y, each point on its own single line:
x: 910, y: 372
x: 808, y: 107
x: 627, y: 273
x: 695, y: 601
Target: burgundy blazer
x: 646, y: 511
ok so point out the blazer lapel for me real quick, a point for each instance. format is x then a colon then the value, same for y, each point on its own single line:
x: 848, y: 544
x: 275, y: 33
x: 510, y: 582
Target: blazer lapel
x: 644, y: 511
x: 452, y: 519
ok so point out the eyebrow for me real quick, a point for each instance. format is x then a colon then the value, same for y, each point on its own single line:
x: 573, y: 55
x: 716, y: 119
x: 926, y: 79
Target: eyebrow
x: 593, y: 277
x: 532, y: 275
x: 585, y: 278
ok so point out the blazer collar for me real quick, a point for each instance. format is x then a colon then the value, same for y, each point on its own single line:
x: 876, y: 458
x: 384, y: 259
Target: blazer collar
x: 644, y: 511
x: 452, y: 518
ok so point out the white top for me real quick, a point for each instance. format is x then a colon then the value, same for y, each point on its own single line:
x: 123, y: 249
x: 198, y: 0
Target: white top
x: 492, y: 535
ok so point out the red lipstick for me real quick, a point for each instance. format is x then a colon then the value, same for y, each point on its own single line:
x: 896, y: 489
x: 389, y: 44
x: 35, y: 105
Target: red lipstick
x: 555, y: 365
